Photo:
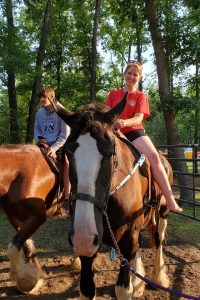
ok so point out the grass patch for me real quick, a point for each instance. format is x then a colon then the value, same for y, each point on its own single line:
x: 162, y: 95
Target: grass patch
x: 52, y: 235
x: 183, y: 230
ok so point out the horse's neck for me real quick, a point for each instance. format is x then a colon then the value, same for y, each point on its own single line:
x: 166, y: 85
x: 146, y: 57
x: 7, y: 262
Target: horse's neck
x: 133, y: 149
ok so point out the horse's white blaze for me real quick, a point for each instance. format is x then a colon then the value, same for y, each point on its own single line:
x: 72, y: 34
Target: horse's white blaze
x: 87, y: 161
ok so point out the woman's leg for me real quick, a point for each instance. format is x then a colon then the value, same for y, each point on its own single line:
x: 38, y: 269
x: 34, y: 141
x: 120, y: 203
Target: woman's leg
x: 145, y: 146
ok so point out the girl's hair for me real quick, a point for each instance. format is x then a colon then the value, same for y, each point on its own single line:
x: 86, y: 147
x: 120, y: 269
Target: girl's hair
x: 136, y: 64
x: 49, y: 92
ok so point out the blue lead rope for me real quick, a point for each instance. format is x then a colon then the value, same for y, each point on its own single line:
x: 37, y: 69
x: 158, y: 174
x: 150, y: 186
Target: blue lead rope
x: 112, y: 254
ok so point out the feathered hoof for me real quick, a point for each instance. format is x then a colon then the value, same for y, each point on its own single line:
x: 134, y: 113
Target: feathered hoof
x: 75, y: 264
x: 122, y: 293
x: 27, y: 277
x: 138, y: 293
x: 161, y: 279
x: 28, y: 287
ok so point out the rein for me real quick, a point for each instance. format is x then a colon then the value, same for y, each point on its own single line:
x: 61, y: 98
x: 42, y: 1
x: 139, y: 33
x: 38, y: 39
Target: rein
x: 137, y: 165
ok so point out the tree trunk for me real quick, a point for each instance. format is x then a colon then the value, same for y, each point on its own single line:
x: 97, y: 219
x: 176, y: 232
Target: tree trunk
x: 94, y: 52
x: 10, y: 66
x: 196, y: 134
x: 162, y: 64
x: 59, y: 54
x: 38, y: 73
x: 139, y: 46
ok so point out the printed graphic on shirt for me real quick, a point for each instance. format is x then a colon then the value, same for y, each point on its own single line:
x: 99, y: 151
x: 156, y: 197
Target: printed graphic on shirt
x: 49, y: 127
x: 131, y: 102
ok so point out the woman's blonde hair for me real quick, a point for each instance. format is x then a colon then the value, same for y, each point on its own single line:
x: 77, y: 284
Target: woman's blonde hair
x: 136, y: 64
x: 49, y: 92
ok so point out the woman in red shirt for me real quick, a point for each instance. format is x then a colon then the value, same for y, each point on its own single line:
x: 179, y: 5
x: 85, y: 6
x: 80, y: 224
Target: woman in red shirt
x: 130, y: 123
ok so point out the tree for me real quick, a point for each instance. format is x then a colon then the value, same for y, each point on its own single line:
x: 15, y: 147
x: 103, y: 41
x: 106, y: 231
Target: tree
x: 162, y: 63
x: 94, y: 52
x: 10, y: 67
x: 38, y: 72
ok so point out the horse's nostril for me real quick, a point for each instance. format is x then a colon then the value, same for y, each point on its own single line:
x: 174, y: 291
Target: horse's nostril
x: 96, y: 240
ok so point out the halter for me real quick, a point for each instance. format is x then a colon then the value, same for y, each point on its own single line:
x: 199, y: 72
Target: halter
x: 102, y: 205
x: 89, y: 198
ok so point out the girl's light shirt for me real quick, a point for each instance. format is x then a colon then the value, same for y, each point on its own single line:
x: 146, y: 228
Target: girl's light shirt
x: 50, y: 126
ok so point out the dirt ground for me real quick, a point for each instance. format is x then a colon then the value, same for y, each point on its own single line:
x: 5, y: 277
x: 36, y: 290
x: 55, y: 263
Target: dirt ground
x: 55, y: 254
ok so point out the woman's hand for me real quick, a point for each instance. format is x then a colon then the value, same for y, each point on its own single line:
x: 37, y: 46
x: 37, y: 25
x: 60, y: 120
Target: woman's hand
x: 120, y: 123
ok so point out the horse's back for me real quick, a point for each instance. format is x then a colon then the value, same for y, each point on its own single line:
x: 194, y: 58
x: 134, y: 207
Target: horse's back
x: 18, y: 155
x: 24, y: 174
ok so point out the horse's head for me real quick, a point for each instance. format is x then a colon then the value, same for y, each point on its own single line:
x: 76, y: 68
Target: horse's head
x: 90, y: 148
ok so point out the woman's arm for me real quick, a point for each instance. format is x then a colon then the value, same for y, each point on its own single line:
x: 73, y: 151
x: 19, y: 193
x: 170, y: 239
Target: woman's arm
x: 136, y: 120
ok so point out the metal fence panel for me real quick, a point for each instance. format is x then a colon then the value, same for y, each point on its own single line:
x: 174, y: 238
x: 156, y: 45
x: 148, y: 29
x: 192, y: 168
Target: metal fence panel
x: 185, y: 161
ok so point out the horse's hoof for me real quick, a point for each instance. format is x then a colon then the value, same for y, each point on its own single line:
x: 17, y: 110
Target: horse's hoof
x: 29, y: 288
x: 75, y: 264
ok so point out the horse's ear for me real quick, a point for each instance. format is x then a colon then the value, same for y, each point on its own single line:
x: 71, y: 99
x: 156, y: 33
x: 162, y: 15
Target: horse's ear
x: 67, y: 116
x: 112, y: 115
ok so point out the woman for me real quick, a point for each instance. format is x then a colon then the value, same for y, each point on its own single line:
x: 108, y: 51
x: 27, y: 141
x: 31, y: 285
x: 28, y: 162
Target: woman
x: 130, y: 123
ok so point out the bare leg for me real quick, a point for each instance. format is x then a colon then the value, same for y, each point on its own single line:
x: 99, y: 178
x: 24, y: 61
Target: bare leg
x: 145, y: 146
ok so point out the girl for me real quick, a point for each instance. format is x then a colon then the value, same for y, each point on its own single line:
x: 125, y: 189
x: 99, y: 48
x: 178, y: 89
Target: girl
x: 51, y: 128
x: 130, y: 123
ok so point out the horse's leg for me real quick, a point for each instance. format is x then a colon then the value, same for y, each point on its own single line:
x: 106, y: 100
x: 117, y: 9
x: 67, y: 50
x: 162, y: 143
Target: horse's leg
x: 159, y: 271
x: 128, y: 285
x: 87, y: 285
x: 25, y: 272
x: 138, y: 284
x: 30, y: 254
x: 137, y: 265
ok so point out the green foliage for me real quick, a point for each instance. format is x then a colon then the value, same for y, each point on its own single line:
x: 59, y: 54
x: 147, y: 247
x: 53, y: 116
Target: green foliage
x: 123, y: 33
x: 155, y: 126
x: 4, y: 120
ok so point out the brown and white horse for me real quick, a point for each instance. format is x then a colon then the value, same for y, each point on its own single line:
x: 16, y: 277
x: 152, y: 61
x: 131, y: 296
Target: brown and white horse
x: 28, y: 187
x: 108, y: 191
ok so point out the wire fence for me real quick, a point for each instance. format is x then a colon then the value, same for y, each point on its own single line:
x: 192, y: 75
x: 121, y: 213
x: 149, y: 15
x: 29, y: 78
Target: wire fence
x: 185, y: 162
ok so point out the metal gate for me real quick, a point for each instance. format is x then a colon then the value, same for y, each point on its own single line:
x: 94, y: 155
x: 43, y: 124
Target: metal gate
x: 185, y: 161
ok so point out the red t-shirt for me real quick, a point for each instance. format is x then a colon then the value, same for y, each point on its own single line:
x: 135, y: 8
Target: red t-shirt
x: 136, y: 102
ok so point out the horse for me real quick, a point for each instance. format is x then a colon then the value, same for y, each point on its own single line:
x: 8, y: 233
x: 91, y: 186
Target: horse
x: 113, y: 197
x: 29, y: 184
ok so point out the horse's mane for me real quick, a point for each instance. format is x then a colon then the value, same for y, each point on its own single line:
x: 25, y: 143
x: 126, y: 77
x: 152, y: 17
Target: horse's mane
x: 88, y: 115
x: 92, y: 108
